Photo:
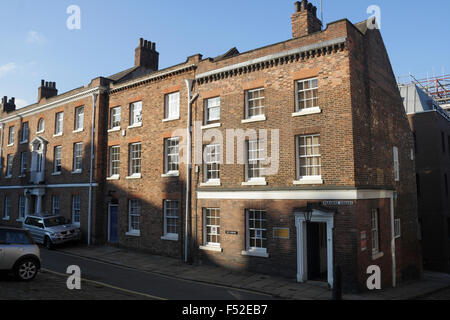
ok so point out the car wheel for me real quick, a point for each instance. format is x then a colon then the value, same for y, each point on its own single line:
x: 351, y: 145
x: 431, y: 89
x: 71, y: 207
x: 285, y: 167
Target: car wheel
x: 26, y: 270
x: 48, y: 243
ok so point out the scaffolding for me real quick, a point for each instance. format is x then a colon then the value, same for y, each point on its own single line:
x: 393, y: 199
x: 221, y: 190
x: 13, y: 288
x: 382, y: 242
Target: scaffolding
x: 436, y: 87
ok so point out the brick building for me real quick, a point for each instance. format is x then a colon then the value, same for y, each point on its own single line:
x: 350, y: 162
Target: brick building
x: 287, y: 159
x: 430, y: 125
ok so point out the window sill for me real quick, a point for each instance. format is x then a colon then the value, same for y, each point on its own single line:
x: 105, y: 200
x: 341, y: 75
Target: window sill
x: 138, y: 125
x: 171, y: 119
x: 57, y: 135
x: 24, y: 142
x: 22, y: 176
x: 56, y: 173
x: 251, y: 253
x: 10, y: 145
x: 133, y: 234
x: 261, y: 182
x: 211, y: 248
x: 114, y: 130
x: 134, y: 176
x: 78, y: 131
x: 170, y: 237
x: 306, y: 112
x: 254, y: 119
x: 211, y: 184
x: 377, y: 256
x: 8, y: 177
x: 116, y: 177
x: 6, y: 219
x: 20, y: 220
x: 77, y: 172
x: 39, y: 132
x: 308, y: 181
x: 171, y: 174
x: 212, y: 125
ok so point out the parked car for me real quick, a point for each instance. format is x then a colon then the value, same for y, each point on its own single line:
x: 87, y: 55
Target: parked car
x: 19, y: 253
x: 51, y: 230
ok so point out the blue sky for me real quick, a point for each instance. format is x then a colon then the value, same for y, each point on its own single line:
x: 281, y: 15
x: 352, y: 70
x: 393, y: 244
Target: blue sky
x: 36, y: 44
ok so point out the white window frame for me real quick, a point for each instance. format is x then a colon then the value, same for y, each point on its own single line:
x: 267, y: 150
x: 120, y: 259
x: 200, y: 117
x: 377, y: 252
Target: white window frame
x: 11, y: 136
x: 41, y: 125
x: 397, y: 228
x: 171, y: 155
x: 115, y: 115
x: 375, y: 231
x: 56, y: 205
x: 172, y: 106
x: 136, y: 114
x: 396, y: 164
x: 79, y: 119
x: 300, y: 142
x: 247, y: 104
x: 134, y: 210
x: 170, y: 235
x: 77, y: 155
x: 211, y: 103
x: 57, y: 160
x: 59, y: 123
x: 260, y: 162
x: 312, y: 88
x: 23, y: 163
x: 214, y: 228
x: 135, y: 169
x: 9, y: 165
x: 211, y: 160
x: 76, y: 210
x: 25, y: 132
x: 7, y: 208
x: 21, y: 210
x: 250, y: 249
x: 113, y: 161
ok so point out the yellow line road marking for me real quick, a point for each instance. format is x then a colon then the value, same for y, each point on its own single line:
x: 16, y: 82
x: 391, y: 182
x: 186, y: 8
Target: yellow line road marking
x: 108, y: 285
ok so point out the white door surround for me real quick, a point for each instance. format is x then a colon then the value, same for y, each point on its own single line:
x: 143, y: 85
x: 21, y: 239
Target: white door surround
x: 302, y: 259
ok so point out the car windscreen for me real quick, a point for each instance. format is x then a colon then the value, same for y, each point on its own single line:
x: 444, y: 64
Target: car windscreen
x: 56, y: 221
x: 15, y: 237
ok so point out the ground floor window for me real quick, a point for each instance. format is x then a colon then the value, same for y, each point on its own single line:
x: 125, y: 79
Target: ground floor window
x: 375, y: 231
x: 21, y: 207
x: 256, y: 230
x: 134, y: 216
x: 76, y: 209
x: 212, y: 227
x: 171, y: 219
x: 55, y: 206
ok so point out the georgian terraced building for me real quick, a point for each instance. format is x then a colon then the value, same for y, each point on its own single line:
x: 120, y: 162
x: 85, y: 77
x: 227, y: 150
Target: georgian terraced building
x: 116, y: 157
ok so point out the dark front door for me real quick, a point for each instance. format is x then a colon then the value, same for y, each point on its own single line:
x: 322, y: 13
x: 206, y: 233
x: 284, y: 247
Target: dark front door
x: 113, y: 222
x: 316, y: 252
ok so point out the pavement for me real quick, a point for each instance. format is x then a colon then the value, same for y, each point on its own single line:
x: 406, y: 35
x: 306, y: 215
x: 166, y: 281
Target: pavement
x: 278, y: 287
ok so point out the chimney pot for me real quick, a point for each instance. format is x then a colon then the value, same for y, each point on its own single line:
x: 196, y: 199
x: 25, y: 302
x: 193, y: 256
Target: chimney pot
x: 304, y: 20
x: 146, y: 55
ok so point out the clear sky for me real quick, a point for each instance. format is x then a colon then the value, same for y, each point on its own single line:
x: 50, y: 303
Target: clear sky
x: 36, y: 43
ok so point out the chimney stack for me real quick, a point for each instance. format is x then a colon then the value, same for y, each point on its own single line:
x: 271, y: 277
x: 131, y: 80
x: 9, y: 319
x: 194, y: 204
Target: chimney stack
x: 304, y: 20
x: 8, y: 106
x: 47, y: 90
x: 146, y: 55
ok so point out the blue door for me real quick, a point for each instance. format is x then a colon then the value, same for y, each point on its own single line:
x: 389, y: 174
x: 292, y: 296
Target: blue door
x: 113, y: 221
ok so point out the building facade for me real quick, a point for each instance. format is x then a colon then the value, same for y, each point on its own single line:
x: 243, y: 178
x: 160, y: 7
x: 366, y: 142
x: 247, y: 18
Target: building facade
x: 289, y: 159
x: 430, y: 125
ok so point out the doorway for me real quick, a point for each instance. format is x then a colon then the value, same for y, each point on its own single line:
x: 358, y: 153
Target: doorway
x: 113, y: 217
x: 317, y: 251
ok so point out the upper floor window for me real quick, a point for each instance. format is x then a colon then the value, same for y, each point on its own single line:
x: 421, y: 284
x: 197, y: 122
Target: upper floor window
x: 212, y: 110
x: 59, y: 119
x: 79, y: 118
x: 136, y: 114
x: 57, y: 159
x: 309, y: 162
x: 23, y: 163
x: 212, y: 163
x: 9, y: 165
x: 115, y: 117
x: 77, y: 157
x: 307, y: 94
x: 396, y: 165
x: 25, y: 132
x: 114, y: 161
x: 41, y: 125
x: 254, y: 103
x: 11, y: 136
x: 171, y: 155
x: 135, y: 159
x: 172, y: 106
x: 254, y: 164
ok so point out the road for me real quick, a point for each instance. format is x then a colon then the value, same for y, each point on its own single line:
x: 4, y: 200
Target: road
x: 147, y: 284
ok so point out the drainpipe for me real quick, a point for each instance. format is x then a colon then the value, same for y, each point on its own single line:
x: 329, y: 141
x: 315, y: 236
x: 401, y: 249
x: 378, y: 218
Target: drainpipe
x: 394, y: 267
x: 191, y: 99
x: 91, y: 173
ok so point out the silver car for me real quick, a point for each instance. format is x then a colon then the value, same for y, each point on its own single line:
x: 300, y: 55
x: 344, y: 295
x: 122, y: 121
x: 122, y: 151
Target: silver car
x: 19, y: 253
x: 51, y: 230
